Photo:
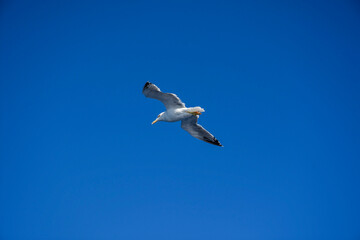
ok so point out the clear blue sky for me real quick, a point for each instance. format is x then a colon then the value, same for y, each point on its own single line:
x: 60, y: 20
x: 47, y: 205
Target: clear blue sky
x: 280, y: 83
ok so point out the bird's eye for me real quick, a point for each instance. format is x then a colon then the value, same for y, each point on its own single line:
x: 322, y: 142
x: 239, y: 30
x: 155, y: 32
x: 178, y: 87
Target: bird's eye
x: 158, y: 115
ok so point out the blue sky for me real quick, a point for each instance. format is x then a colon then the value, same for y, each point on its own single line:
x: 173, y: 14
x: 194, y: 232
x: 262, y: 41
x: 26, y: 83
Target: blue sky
x: 279, y: 81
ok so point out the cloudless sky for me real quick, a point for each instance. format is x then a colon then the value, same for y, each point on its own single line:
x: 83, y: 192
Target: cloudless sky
x: 280, y: 83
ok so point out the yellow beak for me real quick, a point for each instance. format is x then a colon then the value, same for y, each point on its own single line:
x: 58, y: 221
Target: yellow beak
x: 155, y: 121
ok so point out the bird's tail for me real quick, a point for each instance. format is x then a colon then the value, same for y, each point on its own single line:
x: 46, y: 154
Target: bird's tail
x: 196, y: 109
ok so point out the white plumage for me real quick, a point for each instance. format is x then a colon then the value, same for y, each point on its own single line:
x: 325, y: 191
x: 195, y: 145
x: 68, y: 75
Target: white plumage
x: 176, y: 111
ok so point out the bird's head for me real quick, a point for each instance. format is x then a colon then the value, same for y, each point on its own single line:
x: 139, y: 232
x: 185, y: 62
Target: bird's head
x: 159, y: 118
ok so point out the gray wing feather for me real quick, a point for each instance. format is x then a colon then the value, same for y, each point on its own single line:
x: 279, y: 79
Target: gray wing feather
x: 170, y: 100
x: 190, y: 125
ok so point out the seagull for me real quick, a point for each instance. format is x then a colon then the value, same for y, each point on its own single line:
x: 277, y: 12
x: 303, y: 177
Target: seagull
x: 176, y: 111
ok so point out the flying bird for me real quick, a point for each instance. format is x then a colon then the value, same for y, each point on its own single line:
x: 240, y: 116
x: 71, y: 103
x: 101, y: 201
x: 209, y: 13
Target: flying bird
x: 176, y: 111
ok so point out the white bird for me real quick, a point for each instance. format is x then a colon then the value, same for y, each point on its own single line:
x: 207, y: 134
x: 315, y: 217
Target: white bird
x: 176, y: 111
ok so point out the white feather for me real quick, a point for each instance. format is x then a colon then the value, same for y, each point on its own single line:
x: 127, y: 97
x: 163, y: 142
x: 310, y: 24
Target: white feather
x: 195, y: 109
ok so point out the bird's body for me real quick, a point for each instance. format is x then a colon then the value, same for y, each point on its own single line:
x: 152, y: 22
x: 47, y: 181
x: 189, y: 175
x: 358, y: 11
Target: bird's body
x: 176, y: 111
x: 174, y: 115
x: 177, y: 114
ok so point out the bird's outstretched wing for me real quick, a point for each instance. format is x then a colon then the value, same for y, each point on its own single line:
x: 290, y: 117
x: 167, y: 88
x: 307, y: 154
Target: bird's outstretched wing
x: 190, y: 125
x: 170, y: 100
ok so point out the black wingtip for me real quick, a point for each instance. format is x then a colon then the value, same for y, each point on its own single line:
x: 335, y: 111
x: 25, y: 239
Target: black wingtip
x: 213, y: 141
x: 217, y: 143
x: 146, y: 85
